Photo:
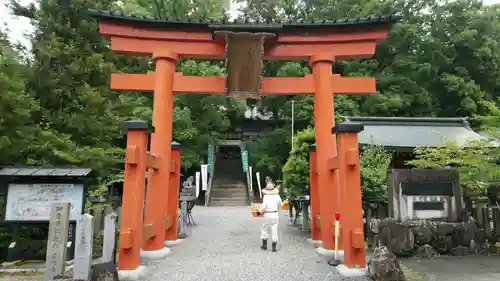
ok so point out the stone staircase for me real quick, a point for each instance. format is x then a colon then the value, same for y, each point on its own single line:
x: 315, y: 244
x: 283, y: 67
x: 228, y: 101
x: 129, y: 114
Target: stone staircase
x: 228, y: 188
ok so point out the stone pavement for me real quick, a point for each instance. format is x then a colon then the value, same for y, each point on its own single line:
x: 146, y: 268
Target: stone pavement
x: 477, y: 267
x: 225, y: 246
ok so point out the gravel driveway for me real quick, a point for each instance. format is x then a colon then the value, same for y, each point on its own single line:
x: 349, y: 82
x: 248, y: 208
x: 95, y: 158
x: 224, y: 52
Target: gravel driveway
x: 225, y: 245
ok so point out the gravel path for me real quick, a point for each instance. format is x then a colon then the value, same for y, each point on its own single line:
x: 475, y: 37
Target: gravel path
x: 225, y: 245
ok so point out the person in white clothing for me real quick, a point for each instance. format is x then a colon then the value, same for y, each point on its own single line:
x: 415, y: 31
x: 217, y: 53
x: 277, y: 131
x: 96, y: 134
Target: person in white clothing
x: 270, y: 207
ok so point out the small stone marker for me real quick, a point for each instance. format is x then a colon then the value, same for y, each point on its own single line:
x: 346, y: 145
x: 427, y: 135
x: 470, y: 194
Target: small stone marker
x: 183, y: 223
x: 58, y: 238
x: 83, y: 247
x: 108, y: 248
x: 97, y: 214
x: 104, y: 272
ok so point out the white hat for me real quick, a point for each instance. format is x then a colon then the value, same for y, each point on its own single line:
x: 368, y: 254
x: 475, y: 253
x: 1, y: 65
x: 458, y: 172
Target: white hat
x: 270, y: 186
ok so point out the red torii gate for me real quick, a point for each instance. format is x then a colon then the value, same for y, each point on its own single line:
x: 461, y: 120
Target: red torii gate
x: 168, y: 40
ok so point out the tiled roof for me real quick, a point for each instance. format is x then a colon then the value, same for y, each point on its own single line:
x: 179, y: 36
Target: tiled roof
x: 242, y: 25
x: 411, y: 132
x: 44, y: 172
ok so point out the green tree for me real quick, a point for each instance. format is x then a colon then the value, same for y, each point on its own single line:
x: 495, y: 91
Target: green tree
x: 374, y: 161
x: 77, y: 104
x: 476, y: 161
x: 296, y: 168
x: 70, y: 66
x: 177, y: 9
x: 17, y: 130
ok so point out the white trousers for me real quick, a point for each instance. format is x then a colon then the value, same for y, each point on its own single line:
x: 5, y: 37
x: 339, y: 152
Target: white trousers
x: 270, y: 226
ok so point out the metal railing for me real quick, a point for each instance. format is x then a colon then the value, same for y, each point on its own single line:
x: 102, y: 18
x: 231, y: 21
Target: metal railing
x: 210, y: 181
x: 249, y: 185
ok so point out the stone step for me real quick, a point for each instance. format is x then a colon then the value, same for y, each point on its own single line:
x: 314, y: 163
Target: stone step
x: 228, y: 183
x: 229, y: 199
x: 229, y: 178
x: 229, y: 175
x: 228, y: 187
x: 225, y: 196
x: 228, y: 204
x: 228, y: 190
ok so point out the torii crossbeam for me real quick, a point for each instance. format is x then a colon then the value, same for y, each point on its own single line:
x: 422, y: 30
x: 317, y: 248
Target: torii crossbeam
x: 243, y: 46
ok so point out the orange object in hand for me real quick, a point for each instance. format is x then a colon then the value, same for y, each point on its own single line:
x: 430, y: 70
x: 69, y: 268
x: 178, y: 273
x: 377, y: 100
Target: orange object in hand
x: 255, y: 210
x: 285, y: 205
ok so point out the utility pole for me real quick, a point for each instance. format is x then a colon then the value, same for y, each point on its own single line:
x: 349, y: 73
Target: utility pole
x: 293, y: 120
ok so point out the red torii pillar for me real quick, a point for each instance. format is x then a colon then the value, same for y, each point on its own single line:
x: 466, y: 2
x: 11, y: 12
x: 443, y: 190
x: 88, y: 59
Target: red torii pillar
x: 347, y: 163
x: 326, y: 148
x: 131, y: 228
x: 173, y: 197
x: 314, y: 196
x: 158, y: 179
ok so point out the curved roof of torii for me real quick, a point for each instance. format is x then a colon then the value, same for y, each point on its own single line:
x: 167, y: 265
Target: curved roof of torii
x: 243, y: 25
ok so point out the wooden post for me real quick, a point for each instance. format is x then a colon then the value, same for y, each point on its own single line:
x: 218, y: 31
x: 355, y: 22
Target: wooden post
x: 173, y: 193
x: 133, y: 195
x: 83, y: 247
x: 350, y: 184
x: 314, y: 194
x: 325, y: 144
x: 57, y: 240
x: 158, y: 178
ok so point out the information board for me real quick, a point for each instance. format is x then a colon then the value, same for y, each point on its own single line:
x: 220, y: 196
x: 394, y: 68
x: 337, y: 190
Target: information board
x: 32, y: 202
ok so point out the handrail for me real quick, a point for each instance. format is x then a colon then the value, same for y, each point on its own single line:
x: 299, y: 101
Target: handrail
x: 247, y: 175
x: 249, y: 192
x: 210, y: 181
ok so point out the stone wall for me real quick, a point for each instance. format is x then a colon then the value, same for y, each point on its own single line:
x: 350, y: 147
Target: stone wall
x: 425, y: 238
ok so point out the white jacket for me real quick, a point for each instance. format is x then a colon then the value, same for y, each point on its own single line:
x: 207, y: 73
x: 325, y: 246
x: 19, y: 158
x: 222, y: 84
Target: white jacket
x: 271, y: 203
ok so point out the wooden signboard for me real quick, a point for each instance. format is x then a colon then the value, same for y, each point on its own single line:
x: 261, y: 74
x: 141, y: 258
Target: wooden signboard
x: 32, y: 202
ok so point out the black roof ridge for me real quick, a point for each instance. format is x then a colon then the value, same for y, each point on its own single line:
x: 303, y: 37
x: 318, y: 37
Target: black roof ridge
x: 245, y: 23
x: 411, y: 121
x: 14, y: 170
x: 69, y: 166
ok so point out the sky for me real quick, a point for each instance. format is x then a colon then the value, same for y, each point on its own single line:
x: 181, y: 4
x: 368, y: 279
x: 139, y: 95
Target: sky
x: 18, y: 27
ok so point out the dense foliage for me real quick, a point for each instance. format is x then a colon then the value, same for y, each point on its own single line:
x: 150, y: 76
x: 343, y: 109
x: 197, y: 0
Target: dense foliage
x: 373, y: 161
x: 296, y: 169
x: 373, y: 164
x: 442, y: 59
x: 476, y: 161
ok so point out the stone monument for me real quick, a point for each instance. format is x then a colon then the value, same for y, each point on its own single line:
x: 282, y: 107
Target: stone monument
x: 109, y: 239
x: 83, y: 247
x: 58, y: 238
x: 424, y: 194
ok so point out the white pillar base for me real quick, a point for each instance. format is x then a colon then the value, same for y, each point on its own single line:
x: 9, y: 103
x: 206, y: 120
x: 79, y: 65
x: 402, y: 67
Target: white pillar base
x: 171, y: 243
x: 315, y: 243
x: 133, y: 275
x: 330, y: 254
x: 345, y: 271
x: 155, y: 255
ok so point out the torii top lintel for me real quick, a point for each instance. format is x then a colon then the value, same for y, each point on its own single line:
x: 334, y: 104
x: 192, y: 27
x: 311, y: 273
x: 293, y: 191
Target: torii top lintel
x: 344, y: 39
